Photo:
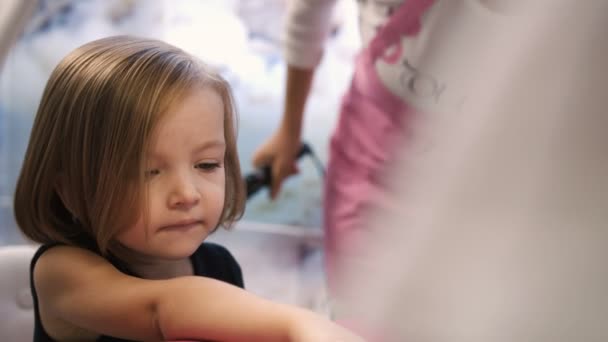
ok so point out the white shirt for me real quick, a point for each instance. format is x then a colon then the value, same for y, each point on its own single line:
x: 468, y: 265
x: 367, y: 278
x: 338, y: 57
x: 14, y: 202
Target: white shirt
x: 421, y: 76
x: 308, y: 23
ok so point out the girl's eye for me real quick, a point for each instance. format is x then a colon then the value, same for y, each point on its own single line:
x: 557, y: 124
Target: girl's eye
x: 207, y: 166
x: 151, y: 173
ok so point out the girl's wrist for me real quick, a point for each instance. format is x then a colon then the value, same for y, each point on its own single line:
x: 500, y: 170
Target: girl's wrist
x: 298, y: 320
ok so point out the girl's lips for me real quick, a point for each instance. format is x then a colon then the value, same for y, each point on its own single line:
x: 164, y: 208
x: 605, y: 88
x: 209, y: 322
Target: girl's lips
x: 182, y: 226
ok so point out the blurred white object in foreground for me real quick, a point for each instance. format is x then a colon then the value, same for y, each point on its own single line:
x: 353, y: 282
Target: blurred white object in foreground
x: 501, y: 229
x: 14, y: 15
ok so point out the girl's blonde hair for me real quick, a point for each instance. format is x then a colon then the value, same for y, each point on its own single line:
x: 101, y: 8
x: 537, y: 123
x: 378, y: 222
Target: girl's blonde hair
x: 82, y: 175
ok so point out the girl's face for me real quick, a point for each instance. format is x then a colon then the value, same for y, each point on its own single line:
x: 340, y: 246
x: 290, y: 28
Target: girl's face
x: 185, y: 179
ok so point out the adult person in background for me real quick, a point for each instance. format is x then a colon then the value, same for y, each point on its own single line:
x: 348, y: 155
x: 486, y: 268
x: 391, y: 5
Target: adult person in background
x: 399, y: 74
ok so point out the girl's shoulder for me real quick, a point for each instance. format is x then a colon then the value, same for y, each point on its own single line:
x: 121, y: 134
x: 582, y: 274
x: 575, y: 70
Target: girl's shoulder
x: 61, y: 255
x: 55, y: 269
x: 55, y: 265
x: 39, y: 252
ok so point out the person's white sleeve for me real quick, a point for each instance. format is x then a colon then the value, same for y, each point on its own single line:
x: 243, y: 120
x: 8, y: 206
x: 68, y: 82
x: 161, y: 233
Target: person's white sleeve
x: 306, y: 27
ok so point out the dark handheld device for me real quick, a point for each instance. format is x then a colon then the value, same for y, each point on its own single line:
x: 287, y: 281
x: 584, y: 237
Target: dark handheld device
x: 262, y: 177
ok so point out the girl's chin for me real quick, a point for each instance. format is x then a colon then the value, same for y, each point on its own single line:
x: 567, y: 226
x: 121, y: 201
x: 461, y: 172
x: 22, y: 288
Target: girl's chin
x: 172, y: 247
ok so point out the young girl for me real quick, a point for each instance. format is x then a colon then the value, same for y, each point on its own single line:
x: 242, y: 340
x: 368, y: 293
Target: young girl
x: 131, y: 164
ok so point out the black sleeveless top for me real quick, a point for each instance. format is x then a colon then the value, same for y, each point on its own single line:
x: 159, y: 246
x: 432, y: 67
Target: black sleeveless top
x: 209, y: 260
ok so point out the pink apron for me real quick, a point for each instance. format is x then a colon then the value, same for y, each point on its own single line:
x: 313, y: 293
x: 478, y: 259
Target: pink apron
x: 371, y: 120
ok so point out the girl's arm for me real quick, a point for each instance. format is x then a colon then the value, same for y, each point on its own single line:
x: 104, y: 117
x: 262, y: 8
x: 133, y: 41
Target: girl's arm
x: 84, y: 290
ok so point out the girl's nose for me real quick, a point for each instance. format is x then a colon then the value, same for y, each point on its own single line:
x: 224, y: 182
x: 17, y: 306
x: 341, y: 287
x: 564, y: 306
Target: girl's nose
x: 184, y: 194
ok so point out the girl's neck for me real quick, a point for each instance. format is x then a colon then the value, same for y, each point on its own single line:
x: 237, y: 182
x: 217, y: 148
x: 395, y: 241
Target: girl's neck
x: 164, y: 270
x: 156, y: 268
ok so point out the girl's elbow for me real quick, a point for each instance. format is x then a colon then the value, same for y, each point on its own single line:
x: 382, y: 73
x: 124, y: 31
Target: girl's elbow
x: 168, y: 309
x: 157, y: 321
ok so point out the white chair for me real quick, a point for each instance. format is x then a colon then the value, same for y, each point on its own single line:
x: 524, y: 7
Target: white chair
x: 16, y: 306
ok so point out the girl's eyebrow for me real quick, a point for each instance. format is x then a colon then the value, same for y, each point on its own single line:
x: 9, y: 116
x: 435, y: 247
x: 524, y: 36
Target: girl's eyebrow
x: 207, y: 145
x: 210, y: 144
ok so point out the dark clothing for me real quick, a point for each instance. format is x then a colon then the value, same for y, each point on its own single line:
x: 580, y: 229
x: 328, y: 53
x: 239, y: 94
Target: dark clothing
x: 209, y: 260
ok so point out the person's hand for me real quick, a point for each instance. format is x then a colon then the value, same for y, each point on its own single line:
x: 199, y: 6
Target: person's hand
x: 279, y: 152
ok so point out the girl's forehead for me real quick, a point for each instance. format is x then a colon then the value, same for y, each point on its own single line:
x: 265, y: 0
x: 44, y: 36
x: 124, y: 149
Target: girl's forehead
x: 190, y: 98
x: 194, y: 120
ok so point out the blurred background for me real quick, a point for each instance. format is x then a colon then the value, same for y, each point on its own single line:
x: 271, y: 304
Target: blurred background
x: 278, y: 243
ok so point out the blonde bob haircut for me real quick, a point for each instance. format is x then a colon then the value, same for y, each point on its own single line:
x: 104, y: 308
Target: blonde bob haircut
x: 82, y: 176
